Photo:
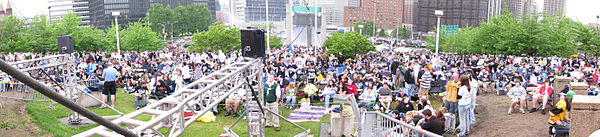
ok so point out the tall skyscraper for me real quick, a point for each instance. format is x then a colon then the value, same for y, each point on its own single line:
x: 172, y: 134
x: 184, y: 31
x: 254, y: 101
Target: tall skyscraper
x: 59, y: 8
x: 555, y: 7
x: 408, y: 15
x: 255, y: 10
x: 456, y: 12
x: 384, y: 13
x: 334, y: 11
x: 100, y: 11
x: 517, y: 7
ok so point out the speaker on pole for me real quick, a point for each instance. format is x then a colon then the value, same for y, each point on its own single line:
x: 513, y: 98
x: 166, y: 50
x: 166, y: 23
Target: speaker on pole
x: 253, y: 43
x: 65, y: 44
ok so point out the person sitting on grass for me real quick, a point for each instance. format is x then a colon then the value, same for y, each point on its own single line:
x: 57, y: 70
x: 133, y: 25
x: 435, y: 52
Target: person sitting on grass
x: 404, y: 105
x: 431, y: 123
x: 385, y: 96
x: 517, y: 94
x: 236, y: 98
x: 290, y: 95
x: 544, y: 94
x: 311, y: 90
x: 367, y: 99
x: 141, y: 93
x: 305, y: 103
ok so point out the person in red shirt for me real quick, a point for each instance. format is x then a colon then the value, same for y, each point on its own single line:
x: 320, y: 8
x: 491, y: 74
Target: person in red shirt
x: 350, y: 87
x: 544, y: 95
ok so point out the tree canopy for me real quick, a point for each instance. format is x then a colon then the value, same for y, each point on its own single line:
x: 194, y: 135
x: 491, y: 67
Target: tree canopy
x: 349, y: 43
x: 537, y: 35
x: 191, y: 18
x: 41, y: 36
x: 217, y: 37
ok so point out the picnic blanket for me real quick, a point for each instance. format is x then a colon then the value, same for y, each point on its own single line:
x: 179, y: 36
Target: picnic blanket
x: 314, y: 114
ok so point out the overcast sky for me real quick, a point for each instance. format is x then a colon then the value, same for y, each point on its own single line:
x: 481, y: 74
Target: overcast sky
x: 584, y: 11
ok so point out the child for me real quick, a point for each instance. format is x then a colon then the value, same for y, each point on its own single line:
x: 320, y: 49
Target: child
x: 305, y: 103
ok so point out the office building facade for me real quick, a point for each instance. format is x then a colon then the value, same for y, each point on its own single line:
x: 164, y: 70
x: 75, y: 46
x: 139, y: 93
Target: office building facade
x: 100, y: 11
x: 385, y: 13
x: 59, y: 8
x: 456, y: 12
x: 517, y: 7
x: 555, y: 7
x: 334, y: 12
x: 255, y: 10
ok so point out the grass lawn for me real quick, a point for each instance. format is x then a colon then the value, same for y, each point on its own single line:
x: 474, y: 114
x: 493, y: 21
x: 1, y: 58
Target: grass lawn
x: 46, y: 119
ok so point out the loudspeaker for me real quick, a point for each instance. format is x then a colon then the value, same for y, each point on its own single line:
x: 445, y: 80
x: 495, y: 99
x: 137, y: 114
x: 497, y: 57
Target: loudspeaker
x: 65, y: 44
x: 253, y: 43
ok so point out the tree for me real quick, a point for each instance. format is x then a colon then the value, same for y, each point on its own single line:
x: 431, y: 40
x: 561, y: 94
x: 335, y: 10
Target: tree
x: 190, y: 18
x: 110, y: 37
x: 275, y: 42
x: 349, y: 44
x: 11, y: 38
x: 403, y: 33
x: 160, y: 16
x: 139, y: 37
x: 367, y: 29
x: 381, y: 33
x: 217, y: 37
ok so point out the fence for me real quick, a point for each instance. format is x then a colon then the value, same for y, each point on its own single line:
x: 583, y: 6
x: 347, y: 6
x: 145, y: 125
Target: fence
x: 21, y: 91
x: 376, y: 124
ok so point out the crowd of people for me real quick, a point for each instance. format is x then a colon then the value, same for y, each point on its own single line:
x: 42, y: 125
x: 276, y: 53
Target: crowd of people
x: 386, y: 81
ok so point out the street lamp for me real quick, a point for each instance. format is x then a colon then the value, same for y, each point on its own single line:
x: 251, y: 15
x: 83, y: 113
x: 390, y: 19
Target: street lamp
x: 148, y: 21
x: 438, y: 13
x: 361, y: 27
x: 116, y: 14
x: 49, y: 17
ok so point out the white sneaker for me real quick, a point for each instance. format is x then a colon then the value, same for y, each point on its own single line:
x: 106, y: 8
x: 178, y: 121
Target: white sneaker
x: 509, y: 110
x: 522, y: 111
x: 103, y: 106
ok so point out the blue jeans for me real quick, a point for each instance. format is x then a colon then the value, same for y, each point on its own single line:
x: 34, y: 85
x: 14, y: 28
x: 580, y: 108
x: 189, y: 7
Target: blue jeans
x: 410, y: 89
x: 500, y: 84
x: 365, y: 105
x: 452, y: 107
x: 465, y: 122
x: 144, y: 101
x: 287, y: 101
x: 472, y: 116
x: 327, y: 97
x: 2, y: 87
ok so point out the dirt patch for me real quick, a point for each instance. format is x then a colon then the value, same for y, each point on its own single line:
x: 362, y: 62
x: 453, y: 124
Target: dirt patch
x: 13, y: 112
x: 493, y: 119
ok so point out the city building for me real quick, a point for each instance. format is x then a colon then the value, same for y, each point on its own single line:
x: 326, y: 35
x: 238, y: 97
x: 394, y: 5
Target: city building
x: 456, y: 12
x: 5, y: 12
x: 385, y: 13
x: 517, y: 7
x: 212, y: 5
x: 408, y: 11
x: 334, y: 12
x: 255, y: 10
x: 100, y: 11
x: 555, y: 7
x: 59, y: 8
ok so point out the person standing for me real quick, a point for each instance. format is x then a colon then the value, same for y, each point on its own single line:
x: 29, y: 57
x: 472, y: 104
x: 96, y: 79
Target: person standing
x: 451, y: 92
x: 464, y: 105
x: 110, y: 87
x: 272, y: 94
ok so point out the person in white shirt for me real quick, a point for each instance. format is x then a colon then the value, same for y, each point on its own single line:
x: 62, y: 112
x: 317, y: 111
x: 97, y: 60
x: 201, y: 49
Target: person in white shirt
x: 517, y: 94
x: 236, y: 98
x: 464, y: 105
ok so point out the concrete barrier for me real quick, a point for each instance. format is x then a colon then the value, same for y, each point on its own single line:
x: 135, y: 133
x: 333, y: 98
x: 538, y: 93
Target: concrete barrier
x: 585, y: 112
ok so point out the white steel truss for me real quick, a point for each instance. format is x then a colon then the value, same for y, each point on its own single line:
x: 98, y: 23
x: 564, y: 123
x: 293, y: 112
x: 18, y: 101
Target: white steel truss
x: 168, y: 113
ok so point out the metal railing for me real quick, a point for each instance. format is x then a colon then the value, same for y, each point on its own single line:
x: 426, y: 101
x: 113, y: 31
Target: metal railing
x: 20, y: 91
x: 376, y: 124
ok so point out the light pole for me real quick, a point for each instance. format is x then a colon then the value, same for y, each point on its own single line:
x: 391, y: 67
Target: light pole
x: 49, y: 17
x: 172, y: 31
x: 597, y: 18
x: 148, y: 21
x: 438, y: 13
x: 116, y: 14
x: 361, y: 27
x: 268, y: 27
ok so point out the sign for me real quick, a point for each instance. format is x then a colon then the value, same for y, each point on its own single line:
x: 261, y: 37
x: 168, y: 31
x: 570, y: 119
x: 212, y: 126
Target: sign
x: 449, y: 30
x: 304, y: 9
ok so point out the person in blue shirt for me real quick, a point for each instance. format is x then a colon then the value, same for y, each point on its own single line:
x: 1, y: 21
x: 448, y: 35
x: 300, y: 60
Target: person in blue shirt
x: 110, y: 87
